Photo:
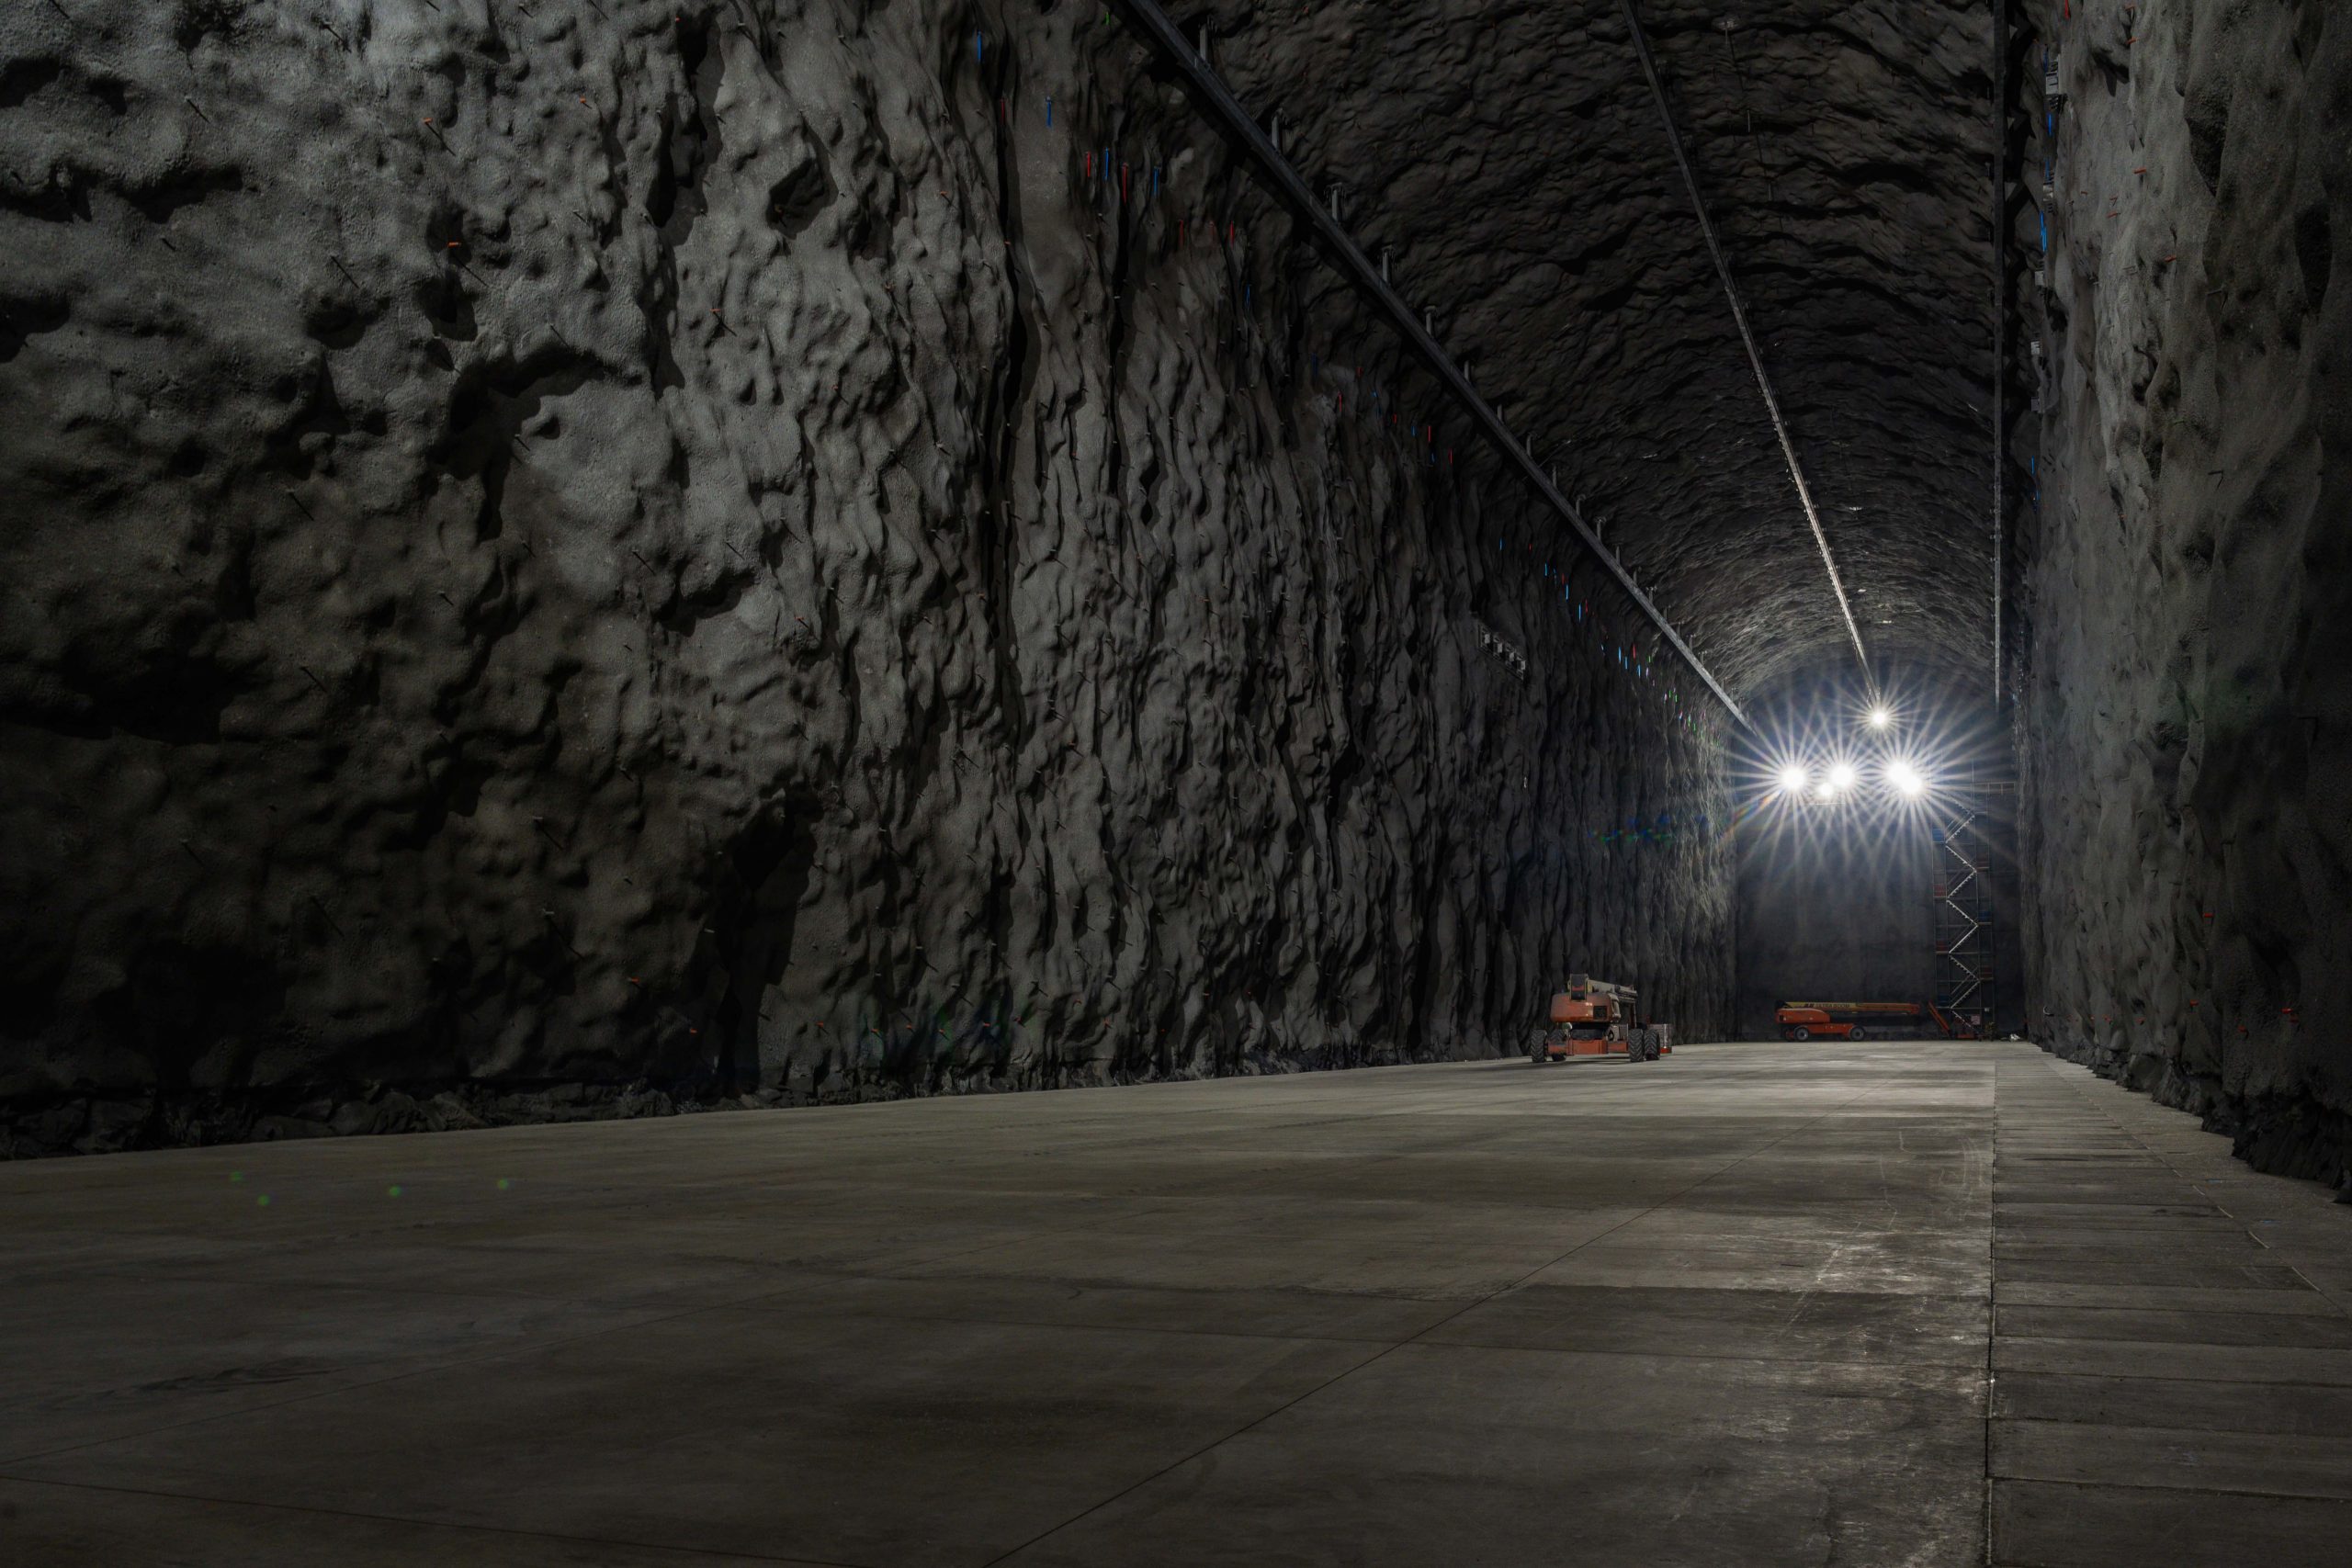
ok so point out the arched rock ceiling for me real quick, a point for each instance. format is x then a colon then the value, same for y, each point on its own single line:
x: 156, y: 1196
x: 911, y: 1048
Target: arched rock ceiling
x: 1512, y: 157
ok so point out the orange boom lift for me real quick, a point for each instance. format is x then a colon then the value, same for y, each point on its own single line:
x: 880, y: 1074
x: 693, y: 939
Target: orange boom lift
x: 1594, y: 1018
x: 1841, y: 1020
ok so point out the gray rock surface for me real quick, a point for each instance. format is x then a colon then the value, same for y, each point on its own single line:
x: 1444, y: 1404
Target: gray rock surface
x: 593, y: 559
x: 1513, y: 158
x: 2185, y: 719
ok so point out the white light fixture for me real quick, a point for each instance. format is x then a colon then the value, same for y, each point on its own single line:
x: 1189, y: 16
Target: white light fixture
x: 1906, y: 780
x: 1880, y: 716
x: 1794, y: 778
x: 1840, y: 779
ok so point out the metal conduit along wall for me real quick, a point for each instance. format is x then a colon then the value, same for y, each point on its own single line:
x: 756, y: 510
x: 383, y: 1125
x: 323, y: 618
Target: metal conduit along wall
x: 1218, y: 102
x: 2000, y: 197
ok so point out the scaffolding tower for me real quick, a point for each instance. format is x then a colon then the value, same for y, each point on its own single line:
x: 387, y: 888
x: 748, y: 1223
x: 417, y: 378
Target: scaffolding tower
x: 1962, y: 898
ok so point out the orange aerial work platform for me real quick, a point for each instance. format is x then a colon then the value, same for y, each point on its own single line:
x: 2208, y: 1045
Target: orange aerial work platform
x: 1595, y: 1018
x: 1842, y: 1020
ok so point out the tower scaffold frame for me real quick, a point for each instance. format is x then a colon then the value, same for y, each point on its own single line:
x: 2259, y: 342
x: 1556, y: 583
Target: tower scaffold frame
x: 1962, y: 896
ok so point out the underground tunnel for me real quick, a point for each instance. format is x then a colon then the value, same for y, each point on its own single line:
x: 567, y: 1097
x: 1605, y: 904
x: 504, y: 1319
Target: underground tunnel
x: 970, y: 781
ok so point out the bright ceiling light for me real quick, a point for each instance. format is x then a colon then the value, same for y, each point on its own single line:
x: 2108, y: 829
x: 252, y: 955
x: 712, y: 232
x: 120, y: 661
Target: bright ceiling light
x: 1794, y: 778
x: 1906, y: 780
x: 1841, y: 778
x: 1880, y: 716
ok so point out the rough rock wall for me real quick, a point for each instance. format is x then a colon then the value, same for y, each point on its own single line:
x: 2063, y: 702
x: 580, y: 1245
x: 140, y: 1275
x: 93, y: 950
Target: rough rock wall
x: 596, y: 557
x: 1511, y: 158
x: 2185, y: 717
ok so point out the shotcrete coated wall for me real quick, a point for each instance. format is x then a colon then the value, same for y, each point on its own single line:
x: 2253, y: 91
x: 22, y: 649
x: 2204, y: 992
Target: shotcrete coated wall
x: 602, y: 557
x: 2185, y: 712
x: 1512, y: 156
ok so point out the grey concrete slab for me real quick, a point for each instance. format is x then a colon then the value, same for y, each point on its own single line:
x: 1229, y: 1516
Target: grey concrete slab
x: 1447, y: 1454
x: 2048, y: 1525
x: 49, y: 1526
x: 2150, y: 1266
x: 2014, y: 1185
x: 1737, y: 1312
x: 1860, y: 1258
x: 2336, y: 1280
x: 2225, y: 1233
x: 1934, y: 1328
x: 2302, y: 1465
x: 2076, y: 1152
x: 2118, y: 1163
x: 2029, y: 1216
x: 1418, y: 1249
x: 2153, y: 1326
x: 682, y: 1253
x: 2219, y: 1363
x: 2168, y: 1383
x: 1309, y: 1315
x: 2174, y: 1402
x: 851, y: 1440
x: 113, y: 1357
x: 2296, y: 1296
x: 2227, y: 1241
x: 2006, y: 1192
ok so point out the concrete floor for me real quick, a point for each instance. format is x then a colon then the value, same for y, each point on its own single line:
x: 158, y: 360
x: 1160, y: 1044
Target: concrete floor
x: 1752, y: 1305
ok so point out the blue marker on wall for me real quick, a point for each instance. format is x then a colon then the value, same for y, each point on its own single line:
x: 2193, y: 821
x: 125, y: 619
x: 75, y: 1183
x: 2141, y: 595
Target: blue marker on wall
x: 1049, y: 108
